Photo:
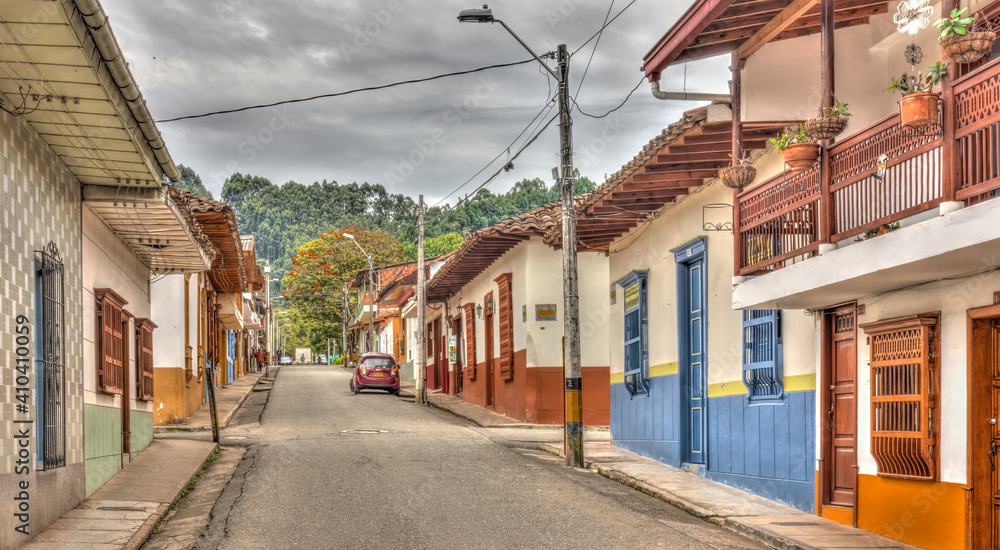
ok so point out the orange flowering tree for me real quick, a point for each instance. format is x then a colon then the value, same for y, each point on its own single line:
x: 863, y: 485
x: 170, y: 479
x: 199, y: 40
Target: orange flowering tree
x: 314, y: 288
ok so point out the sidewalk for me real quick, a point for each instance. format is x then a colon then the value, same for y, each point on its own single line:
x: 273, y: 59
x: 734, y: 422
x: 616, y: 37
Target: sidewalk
x: 758, y: 518
x: 227, y: 400
x: 123, y: 513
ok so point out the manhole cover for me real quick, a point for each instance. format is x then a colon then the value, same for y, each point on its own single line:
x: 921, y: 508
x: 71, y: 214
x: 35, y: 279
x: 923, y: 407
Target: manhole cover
x: 794, y: 523
x: 119, y: 509
x: 365, y: 432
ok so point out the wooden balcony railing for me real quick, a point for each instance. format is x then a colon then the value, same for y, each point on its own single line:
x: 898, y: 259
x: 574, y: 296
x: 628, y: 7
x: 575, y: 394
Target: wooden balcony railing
x: 786, y: 218
x: 977, y: 133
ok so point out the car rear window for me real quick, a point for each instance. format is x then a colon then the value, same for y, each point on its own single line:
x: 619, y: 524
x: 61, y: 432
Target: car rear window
x: 375, y: 362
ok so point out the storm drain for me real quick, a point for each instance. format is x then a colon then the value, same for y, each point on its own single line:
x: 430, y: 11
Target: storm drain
x: 364, y: 432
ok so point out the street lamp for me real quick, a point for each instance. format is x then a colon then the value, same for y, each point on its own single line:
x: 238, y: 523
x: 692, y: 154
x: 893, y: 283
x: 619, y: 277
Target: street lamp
x: 572, y: 384
x: 371, y: 298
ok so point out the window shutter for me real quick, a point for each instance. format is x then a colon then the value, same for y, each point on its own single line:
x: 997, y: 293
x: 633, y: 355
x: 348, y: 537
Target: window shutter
x: 144, y: 359
x: 636, y: 337
x: 111, y: 344
x: 904, y: 395
x: 762, y: 354
x: 506, y: 322
x: 470, y: 340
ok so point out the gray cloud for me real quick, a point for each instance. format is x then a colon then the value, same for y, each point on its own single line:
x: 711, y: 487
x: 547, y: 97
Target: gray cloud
x: 198, y: 56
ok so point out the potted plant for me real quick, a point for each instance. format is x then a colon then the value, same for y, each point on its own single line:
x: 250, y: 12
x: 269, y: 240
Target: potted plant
x: 829, y: 124
x: 799, y: 150
x: 919, y: 106
x: 739, y: 175
x: 960, y: 40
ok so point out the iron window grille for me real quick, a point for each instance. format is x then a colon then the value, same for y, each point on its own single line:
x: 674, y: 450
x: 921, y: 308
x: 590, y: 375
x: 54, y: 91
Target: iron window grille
x: 52, y: 322
x: 636, y: 333
x: 762, y: 355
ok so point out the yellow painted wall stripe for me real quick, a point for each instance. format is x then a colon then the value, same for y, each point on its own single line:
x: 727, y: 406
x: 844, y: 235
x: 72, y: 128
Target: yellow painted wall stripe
x: 796, y: 382
x: 654, y: 371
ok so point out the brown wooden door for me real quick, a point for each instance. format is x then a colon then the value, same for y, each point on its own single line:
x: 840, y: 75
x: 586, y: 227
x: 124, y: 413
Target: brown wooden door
x: 488, y: 349
x: 984, y: 448
x: 841, y: 422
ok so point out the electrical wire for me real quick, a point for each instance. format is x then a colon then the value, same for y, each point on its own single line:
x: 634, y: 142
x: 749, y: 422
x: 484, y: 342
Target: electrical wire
x: 547, y: 106
x: 592, y: 52
x: 620, y: 105
x: 603, y: 27
x: 347, y: 92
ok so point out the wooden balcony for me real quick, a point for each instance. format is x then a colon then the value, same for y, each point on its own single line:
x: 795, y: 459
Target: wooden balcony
x: 784, y: 220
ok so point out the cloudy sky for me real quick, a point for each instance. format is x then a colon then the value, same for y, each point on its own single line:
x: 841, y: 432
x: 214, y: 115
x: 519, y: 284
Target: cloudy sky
x: 197, y: 56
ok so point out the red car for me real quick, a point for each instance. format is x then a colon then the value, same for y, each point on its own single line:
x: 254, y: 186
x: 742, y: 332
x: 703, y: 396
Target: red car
x: 376, y: 371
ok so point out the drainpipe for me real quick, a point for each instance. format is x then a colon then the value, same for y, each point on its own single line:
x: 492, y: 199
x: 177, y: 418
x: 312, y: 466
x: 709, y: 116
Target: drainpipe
x: 687, y: 96
x: 97, y: 22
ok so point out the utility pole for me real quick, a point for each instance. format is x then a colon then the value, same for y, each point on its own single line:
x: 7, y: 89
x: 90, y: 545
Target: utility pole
x: 421, y: 364
x: 573, y: 409
x: 343, y: 326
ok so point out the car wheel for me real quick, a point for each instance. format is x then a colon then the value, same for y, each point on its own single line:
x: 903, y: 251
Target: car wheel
x: 357, y: 390
x: 395, y: 392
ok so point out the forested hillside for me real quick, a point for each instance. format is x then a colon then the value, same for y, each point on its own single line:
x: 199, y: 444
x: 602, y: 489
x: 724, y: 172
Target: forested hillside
x: 283, y: 217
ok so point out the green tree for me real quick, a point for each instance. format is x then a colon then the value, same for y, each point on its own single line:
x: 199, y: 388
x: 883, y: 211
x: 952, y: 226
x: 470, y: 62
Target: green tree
x: 191, y: 182
x: 313, y: 288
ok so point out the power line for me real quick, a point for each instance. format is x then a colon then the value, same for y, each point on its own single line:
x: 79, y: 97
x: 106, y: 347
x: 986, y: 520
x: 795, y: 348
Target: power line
x: 595, y: 35
x: 592, y: 52
x: 497, y: 173
x: 620, y: 105
x: 547, y: 106
x: 348, y: 92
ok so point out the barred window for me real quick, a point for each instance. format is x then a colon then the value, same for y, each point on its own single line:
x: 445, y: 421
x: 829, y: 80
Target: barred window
x: 110, y: 341
x: 904, y: 395
x: 636, y: 333
x: 762, y: 355
x: 51, y: 341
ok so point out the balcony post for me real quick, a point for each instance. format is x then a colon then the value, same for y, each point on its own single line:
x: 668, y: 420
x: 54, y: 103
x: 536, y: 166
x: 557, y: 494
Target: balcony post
x: 949, y: 164
x: 737, y: 153
x: 826, y: 204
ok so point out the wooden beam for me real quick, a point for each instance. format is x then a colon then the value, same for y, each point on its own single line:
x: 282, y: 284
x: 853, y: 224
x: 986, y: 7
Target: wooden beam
x: 690, y: 25
x: 637, y: 186
x: 691, y: 158
x: 718, y: 146
x: 768, y: 32
x: 653, y: 167
x: 666, y: 176
x: 658, y: 194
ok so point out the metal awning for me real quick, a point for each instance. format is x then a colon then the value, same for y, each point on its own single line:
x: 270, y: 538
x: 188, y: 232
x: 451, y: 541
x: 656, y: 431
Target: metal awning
x: 152, y: 225
x: 65, y: 74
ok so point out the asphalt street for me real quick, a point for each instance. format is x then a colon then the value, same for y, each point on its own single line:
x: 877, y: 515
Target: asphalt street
x: 329, y: 469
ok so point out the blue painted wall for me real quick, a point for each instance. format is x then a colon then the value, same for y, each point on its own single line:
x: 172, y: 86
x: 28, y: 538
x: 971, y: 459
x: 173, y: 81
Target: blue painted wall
x: 767, y: 449
x: 648, y: 425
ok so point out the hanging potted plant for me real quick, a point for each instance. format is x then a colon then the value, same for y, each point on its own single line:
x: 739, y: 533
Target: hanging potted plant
x: 740, y: 175
x: 800, y: 151
x: 919, y: 106
x: 829, y: 124
x: 961, y: 40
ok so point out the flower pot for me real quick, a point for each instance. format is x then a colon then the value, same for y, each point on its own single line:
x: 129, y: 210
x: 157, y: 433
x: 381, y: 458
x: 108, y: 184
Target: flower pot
x: 801, y: 156
x: 918, y: 110
x: 826, y: 126
x: 970, y: 47
x: 738, y: 176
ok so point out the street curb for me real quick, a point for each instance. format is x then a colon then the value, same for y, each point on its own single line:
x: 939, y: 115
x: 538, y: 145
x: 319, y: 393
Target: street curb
x: 141, y: 536
x: 232, y: 413
x: 762, y: 536
x: 665, y: 496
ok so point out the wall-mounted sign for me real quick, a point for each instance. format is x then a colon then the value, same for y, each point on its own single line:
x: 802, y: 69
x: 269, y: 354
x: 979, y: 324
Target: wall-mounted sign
x: 545, y: 312
x: 614, y: 293
x: 880, y: 166
x: 524, y: 313
x: 452, y: 348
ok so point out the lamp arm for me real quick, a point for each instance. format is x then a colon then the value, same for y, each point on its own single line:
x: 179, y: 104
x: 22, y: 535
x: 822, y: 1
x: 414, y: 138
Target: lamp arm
x: 533, y: 54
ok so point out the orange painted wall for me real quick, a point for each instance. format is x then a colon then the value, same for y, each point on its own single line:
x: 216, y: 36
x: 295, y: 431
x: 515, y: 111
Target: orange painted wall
x: 536, y: 394
x: 174, y: 399
x: 926, y: 514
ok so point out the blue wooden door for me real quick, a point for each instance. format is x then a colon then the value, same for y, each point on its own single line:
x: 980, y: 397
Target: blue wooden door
x: 230, y: 356
x: 697, y: 400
